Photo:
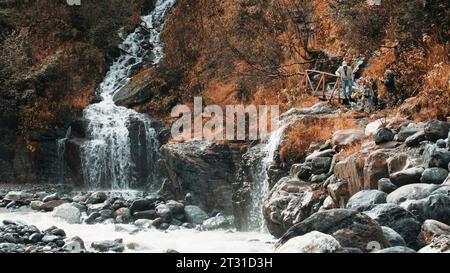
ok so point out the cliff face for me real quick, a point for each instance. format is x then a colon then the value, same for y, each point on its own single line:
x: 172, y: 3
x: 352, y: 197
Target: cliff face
x: 52, y: 57
x: 245, y: 51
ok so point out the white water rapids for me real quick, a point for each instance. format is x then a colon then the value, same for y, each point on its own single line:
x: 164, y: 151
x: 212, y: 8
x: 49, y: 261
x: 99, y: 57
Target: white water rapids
x: 152, y: 240
x: 107, y: 156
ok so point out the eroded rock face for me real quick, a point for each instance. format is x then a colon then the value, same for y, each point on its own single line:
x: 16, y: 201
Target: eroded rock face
x: 350, y: 228
x: 204, y: 171
x: 289, y: 202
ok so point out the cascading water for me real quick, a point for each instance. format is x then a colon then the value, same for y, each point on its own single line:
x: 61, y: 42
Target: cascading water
x: 261, y: 185
x: 113, y: 157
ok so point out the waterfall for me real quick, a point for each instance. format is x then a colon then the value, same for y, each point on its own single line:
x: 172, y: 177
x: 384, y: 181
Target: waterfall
x: 261, y: 185
x: 61, y: 151
x: 121, y: 147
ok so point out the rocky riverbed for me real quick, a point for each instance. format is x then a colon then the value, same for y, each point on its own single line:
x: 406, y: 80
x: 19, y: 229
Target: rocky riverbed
x: 128, y: 222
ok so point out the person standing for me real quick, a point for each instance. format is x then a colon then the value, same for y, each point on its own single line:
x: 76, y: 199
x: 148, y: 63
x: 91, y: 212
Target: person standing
x: 346, y: 74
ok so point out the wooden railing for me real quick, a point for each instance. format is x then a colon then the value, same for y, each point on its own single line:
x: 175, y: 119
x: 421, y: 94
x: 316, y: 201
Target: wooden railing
x: 318, y: 86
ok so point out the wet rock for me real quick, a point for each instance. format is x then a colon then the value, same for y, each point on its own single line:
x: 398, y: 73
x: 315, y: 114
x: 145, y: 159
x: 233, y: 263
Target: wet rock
x: 195, y: 214
x: 366, y: 200
x: 141, y: 205
x: 107, y: 214
x: 68, y: 213
x: 349, y: 227
x: 408, y: 176
x: 106, y: 246
x: 289, y: 202
x: 434, y: 176
x: 164, y: 212
x: 36, y: 205
x: 440, y: 244
x: 411, y: 192
x: 74, y: 245
x: 385, y: 185
x: 383, y: 135
x: 123, y: 215
x: 441, y: 143
x: 436, y: 129
x: 51, y: 205
x: 313, y: 242
x: 432, y: 229
x: 50, y: 238
x: 177, y: 209
x: 97, y: 198
x: 393, y: 237
x: 17, y: 196
x: 146, y: 214
x: 435, y: 157
x: 347, y: 137
x: 396, y: 249
x: 217, y: 222
x: 35, y: 237
x: 399, y: 219
x: 144, y: 223
x: 92, y: 218
x: 415, y: 139
x: 51, y: 197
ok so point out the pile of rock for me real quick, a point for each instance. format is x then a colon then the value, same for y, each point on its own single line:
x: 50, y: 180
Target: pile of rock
x: 18, y: 238
x: 97, y: 207
x: 393, y: 195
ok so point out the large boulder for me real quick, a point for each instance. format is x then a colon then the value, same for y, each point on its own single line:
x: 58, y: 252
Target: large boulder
x: 408, y: 176
x: 437, y: 207
x: 290, y: 201
x: 410, y: 192
x: 434, y: 176
x: 383, y: 135
x: 195, y: 215
x: 393, y: 237
x: 435, y: 157
x: 313, y: 242
x: 17, y: 196
x: 68, y: 213
x: 349, y: 227
x: 375, y: 168
x: 203, y: 170
x: 366, y: 200
x: 351, y: 170
x: 141, y: 204
x: 399, y: 219
x: 436, y: 129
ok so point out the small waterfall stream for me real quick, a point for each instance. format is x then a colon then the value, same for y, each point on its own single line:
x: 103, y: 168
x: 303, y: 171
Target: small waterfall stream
x: 261, y: 185
x: 122, y: 147
x: 61, y: 152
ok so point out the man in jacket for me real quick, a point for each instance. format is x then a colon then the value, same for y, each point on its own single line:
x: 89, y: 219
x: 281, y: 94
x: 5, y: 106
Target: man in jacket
x: 346, y: 74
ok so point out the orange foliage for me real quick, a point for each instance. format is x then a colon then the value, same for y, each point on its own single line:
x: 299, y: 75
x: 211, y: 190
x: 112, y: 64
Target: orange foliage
x: 300, y: 135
